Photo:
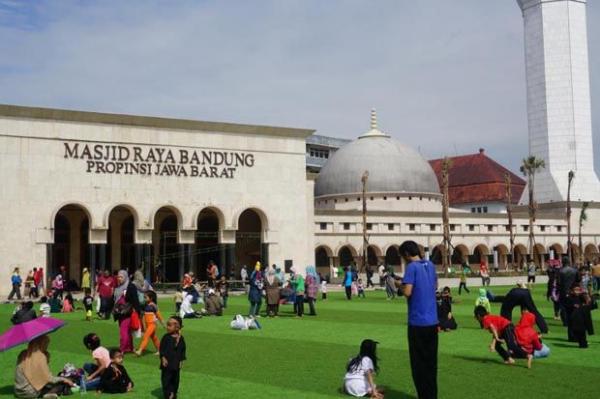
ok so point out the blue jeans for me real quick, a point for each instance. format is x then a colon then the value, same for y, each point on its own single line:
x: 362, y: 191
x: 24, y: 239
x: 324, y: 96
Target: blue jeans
x: 90, y: 368
x: 544, y: 352
x: 254, y: 308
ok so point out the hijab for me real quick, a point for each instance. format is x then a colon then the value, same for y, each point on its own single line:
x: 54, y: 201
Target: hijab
x: 271, y: 273
x: 311, y: 271
x: 34, y: 363
x: 120, y: 290
x: 138, y: 281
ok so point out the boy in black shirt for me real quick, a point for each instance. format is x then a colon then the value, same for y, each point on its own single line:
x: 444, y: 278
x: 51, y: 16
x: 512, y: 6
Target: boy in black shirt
x: 115, y: 378
x: 172, y: 355
x: 88, y: 302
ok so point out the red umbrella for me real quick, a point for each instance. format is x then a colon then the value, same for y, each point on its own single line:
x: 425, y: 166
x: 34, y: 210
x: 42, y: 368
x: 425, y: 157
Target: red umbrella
x: 28, y: 331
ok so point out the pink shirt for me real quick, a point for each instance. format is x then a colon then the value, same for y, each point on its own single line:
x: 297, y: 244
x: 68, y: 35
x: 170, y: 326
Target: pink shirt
x: 101, y: 353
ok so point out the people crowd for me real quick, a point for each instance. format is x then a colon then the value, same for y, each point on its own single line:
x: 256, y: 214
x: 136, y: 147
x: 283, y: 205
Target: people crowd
x: 132, y: 302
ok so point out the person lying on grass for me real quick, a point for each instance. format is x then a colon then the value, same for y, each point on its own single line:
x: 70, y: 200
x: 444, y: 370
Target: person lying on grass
x: 359, y: 380
x: 502, y: 332
x: 528, y: 339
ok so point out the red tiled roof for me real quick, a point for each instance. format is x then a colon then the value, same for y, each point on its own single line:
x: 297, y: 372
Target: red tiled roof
x: 476, y: 178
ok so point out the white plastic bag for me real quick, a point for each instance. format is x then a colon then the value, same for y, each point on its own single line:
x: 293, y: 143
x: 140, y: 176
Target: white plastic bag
x: 239, y: 323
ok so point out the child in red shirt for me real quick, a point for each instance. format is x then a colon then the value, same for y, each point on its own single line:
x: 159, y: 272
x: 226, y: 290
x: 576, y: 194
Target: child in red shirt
x: 502, y: 331
x: 528, y: 339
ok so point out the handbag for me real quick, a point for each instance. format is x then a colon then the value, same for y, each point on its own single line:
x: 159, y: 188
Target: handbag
x: 135, y: 322
x: 122, y: 310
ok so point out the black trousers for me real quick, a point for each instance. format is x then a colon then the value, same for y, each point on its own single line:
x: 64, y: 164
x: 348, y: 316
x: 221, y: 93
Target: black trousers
x: 423, y: 349
x: 311, y: 306
x: 300, y: 305
x: 522, y: 298
x: 349, y: 292
x: 461, y: 286
x: 512, y: 346
x: 170, y: 382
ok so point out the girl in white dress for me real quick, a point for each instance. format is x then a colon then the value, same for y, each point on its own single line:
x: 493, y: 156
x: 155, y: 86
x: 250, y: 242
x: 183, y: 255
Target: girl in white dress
x: 359, y: 380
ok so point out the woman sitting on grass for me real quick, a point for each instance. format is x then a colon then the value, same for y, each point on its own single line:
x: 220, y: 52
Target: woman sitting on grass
x: 358, y: 380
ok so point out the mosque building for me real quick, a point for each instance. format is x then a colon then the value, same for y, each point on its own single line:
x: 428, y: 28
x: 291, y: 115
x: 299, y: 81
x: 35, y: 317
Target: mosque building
x: 108, y: 191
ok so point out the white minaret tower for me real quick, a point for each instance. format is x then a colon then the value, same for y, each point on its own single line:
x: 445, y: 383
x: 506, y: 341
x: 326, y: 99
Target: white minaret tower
x: 558, y: 99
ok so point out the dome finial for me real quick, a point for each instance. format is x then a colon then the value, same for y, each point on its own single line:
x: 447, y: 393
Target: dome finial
x: 374, y: 132
x: 373, y: 119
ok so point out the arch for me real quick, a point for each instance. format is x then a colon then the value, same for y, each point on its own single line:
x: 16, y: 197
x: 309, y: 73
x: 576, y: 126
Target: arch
x: 249, y: 238
x: 460, y: 254
x: 130, y: 208
x: 165, y: 238
x: 376, y: 250
x: 206, y: 242
x: 388, y: 246
x: 591, y: 253
x: 218, y: 212
x: 437, y: 254
x: 69, y: 204
x: 326, y: 248
x: 346, y: 255
x: 503, y: 256
x: 373, y: 254
x: 520, y: 255
x: 539, y: 254
x: 120, y: 239
x: 263, y: 217
x: 558, y: 250
x: 169, y: 207
x: 480, y: 253
x: 322, y: 256
x: 71, y: 249
x: 392, y: 256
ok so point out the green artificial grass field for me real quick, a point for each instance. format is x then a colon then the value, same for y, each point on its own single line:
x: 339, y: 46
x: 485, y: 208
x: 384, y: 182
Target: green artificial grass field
x: 305, y: 358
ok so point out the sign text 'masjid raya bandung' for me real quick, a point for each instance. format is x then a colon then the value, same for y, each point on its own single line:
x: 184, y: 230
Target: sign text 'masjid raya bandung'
x: 157, y: 161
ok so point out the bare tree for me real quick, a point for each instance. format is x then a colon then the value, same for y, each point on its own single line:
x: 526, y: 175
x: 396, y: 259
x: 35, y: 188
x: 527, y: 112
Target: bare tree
x: 569, y: 238
x: 508, y: 186
x: 529, y: 168
x: 446, y: 259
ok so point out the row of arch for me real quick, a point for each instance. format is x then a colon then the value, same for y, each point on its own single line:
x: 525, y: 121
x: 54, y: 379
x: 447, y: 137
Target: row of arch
x: 347, y: 254
x: 164, y: 257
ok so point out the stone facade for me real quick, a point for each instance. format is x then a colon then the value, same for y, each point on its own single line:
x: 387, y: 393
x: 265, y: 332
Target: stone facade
x: 50, y: 171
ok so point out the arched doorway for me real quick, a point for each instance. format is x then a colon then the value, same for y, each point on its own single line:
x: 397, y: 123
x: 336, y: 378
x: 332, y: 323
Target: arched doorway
x: 70, y: 251
x: 248, y: 239
x: 392, y: 256
x: 373, y: 254
x: 502, y: 252
x: 322, y: 257
x: 591, y: 253
x: 120, y: 249
x: 460, y: 254
x: 168, y: 256
x: 480, y: 254
x: 539, y: 255
x: 206, y: 242
x: 437, y: 255
x: 346, y: 256
x: 520, y: 256
x: 556, y: 250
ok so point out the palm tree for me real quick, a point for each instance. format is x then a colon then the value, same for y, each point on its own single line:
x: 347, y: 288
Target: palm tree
x: 529, y: 168
x: 582, y: 218
x: 569, y: 241
x: 507, y: 183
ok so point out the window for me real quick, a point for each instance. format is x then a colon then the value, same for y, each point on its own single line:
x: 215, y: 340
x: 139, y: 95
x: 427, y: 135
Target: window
x: 397, y: 198
x: 358, y: 198
x: 371, y: 198
x: 559, y: 228
x: 411, y: 227
x: 410, y: 198
x: 432, y: 227
x: 384, y: 198
x: 390, y: 226
x: 315, y: 153
x: 485, y: 209
x: 471, y: 227
x: 452, y: 227
x: 345, y: 199
x: 473, y: 210
x: 369, y: 226
x: 335, y: 201
x: 323, y: 226
x: 346, y: 226
x: 525, y: 228
x: 478, y: 209
x: 490, y: 227
x: 507, y: 227
x: 542, y: 228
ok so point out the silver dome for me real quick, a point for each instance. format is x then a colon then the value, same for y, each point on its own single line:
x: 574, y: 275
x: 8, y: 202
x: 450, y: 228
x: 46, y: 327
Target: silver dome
x: 392, y: 166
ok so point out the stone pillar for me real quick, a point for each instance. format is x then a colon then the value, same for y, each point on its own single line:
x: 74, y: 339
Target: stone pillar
x: 191, y: 257
x: 222, y: 259
x: 552, y: 254
x: 264, y: 253
x: 426, y: 249
x: 181, y: 259
x: 138, y: 255
x: 230, y: 258
x: 92, y: 259
x: 148, y: 260
x: 495, y: 257
x: 115, y: 242
x: 49, y: 261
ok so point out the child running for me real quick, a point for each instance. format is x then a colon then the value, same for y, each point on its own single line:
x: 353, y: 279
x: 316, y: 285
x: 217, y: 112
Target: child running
x: 172, y: 355
x: 361, y: 288
x: 359, y: 380
x: 151, y: 315
x: 88, y: 303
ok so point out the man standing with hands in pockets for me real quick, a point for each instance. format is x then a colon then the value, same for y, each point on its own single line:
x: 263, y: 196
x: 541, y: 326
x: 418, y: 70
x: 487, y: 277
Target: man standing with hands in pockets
x: 420, y: 284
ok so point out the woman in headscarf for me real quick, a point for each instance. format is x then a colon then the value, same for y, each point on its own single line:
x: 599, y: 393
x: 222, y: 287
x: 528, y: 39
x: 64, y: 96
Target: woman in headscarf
x: 85, y: 279
x: 312, y: 288
x: 33, y: 378
x: 298, y: 284
x: 255, y: 292
x: 272, y: 286
x: 126, y: 304
x: 141, y: 284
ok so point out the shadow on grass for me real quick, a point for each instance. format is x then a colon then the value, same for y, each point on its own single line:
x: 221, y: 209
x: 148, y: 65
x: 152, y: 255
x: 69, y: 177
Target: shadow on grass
x: 158, y: 393
x: 7, y: 390
x: 565, y: 345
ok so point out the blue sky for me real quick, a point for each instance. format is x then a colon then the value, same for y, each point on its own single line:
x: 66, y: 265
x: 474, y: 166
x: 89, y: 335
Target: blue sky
x: 446, y: 77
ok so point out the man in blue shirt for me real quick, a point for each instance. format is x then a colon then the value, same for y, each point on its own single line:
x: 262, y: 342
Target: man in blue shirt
x: 420, y: 285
